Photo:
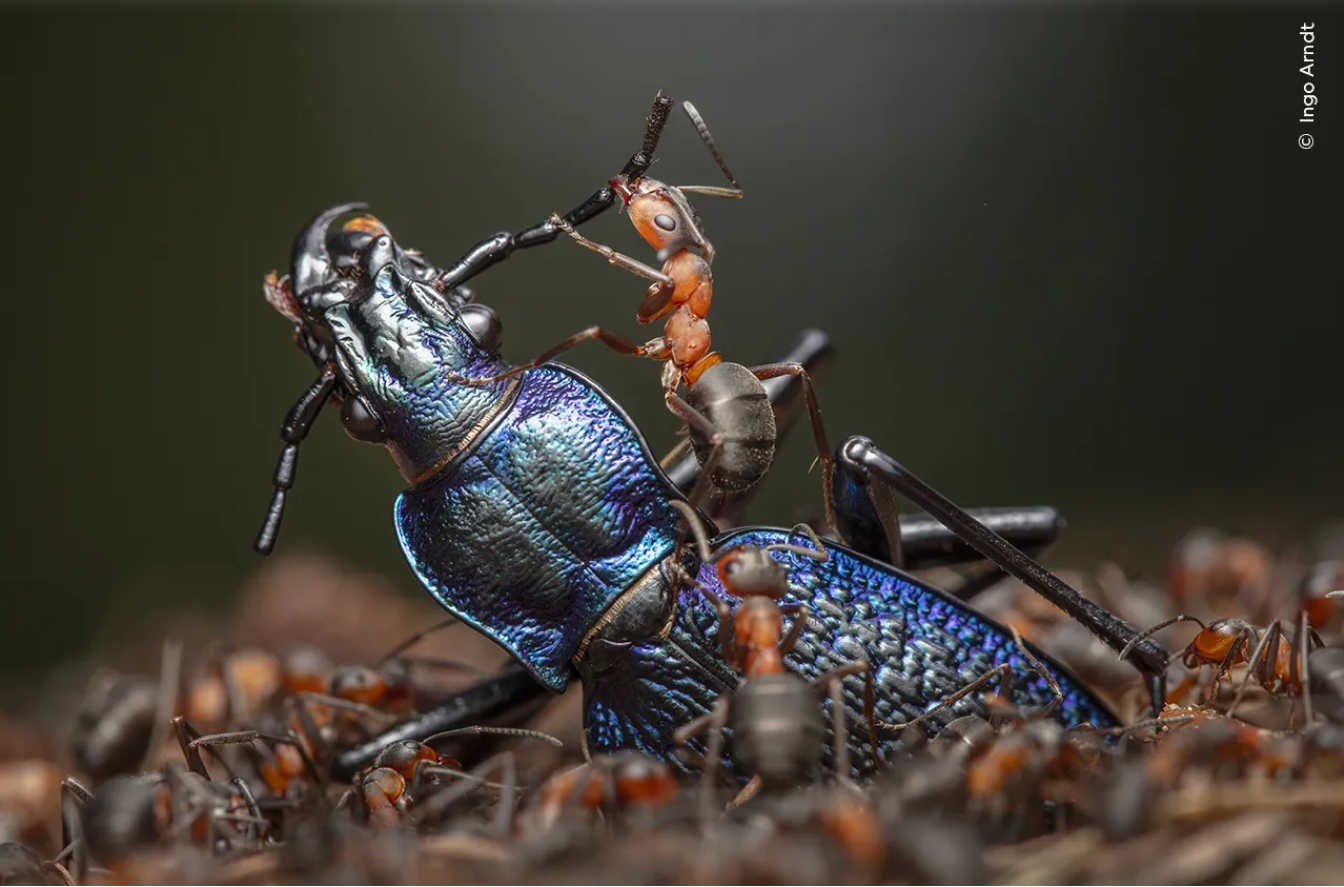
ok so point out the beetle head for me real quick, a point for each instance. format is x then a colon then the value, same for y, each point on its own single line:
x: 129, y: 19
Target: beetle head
x: 326, y: 267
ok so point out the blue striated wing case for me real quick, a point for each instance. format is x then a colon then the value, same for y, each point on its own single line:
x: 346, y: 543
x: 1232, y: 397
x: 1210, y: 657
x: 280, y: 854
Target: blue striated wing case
x: 540, y: 525
x: 922, y: 645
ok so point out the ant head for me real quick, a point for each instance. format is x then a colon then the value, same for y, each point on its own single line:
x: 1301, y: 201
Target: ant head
x: 358, y: 683
x: 750, y: 571
x: 662, y: 216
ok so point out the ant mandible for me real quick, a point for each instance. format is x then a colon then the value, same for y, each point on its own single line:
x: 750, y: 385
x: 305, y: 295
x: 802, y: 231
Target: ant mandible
x: 731, y: 422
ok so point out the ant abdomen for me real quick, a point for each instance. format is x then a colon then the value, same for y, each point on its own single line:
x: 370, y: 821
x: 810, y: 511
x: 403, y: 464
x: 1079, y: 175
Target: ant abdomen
x: 735, y: 402
x: 776, y: 728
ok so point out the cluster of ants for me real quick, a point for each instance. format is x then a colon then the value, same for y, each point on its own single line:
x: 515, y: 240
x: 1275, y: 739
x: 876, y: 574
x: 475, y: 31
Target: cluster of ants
x: 222, y: 769
x: 225, y: 769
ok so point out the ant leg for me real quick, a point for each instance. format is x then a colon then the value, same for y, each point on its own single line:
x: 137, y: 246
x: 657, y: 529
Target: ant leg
x: 298, y: 422
x: 727, y: 634
x: 664, y: 283
x: 698, y: 421
x: 304, y: 715
x: 1298, y: 669
x: 415, y: 639
x: 380, y: 719
x: 712, y: 723
x: 170, y: 682
x: 186, y: 737
x: 832, y: 682
x: 861, y: 455
x: 824, y: 457
x: 799, y: 612
x: 1057, y: 694
x: 654, y: 349
x: 74, y: 798
x: 1240, y: 645
x: 1260, y: 665
x: 676, y: 457
x: 1003, y: 671
x: 254, y: 831
x: 499, y: 247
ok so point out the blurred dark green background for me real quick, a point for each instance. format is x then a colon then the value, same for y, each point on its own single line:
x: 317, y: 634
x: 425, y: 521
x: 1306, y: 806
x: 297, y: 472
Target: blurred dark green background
x: 1068, y: 254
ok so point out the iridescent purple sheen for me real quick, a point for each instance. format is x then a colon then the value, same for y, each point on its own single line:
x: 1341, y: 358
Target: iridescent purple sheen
x: 553, y: 514
x: 922, y: 644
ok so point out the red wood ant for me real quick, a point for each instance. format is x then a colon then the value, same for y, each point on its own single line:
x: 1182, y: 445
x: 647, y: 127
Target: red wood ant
x: 607, y: 782
x: 1277, y: 663
x: 726, y: 410
x: 773, y: 714
x: 395, y: 787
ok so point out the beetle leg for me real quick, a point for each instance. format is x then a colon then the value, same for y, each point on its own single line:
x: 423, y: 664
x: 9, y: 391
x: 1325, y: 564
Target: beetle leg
x: 500, y: 246
x: 862, y: 456
x: 490, y: 700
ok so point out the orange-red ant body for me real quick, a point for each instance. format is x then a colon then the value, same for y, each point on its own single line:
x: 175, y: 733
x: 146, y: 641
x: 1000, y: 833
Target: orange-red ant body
x: 731, y: 423
x: 607, y: 782
x: 1278, y: 664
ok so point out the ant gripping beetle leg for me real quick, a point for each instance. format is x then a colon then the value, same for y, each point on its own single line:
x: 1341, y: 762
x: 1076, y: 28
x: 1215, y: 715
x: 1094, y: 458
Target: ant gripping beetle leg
x: 725, y: 409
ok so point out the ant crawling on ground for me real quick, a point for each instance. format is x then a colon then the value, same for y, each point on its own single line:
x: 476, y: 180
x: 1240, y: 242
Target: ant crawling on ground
x: 1277, y: 663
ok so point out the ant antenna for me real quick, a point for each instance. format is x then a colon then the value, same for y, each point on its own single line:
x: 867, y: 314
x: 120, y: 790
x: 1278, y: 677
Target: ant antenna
x: 697, y: 529
x: 703, y: 129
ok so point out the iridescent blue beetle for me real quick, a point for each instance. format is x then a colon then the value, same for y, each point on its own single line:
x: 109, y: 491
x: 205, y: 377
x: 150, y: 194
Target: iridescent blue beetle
x: 536, y: 513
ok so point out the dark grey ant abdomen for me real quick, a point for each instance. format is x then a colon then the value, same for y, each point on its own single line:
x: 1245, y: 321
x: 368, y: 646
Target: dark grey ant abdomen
x: 777, y: 728
x: 735, y: 402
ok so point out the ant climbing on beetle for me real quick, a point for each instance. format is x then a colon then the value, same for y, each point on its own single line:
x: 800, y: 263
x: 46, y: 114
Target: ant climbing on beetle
x: 773, y: 713
x: 497, y: 474
x: 731, y: 424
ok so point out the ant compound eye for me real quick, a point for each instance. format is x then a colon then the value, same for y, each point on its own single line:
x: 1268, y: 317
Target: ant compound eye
x: 665, y: 221
x: 732, y: 567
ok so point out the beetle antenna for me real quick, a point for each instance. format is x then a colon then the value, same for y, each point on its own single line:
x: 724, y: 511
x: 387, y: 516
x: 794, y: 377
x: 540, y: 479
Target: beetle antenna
x: 703, y: 129
x: 298, y: 423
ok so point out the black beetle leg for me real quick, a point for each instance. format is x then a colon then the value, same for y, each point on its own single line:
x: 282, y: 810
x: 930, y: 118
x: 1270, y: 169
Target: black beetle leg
x: 497, y: 698
x: 861, y: 455
x: 500, y: 246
